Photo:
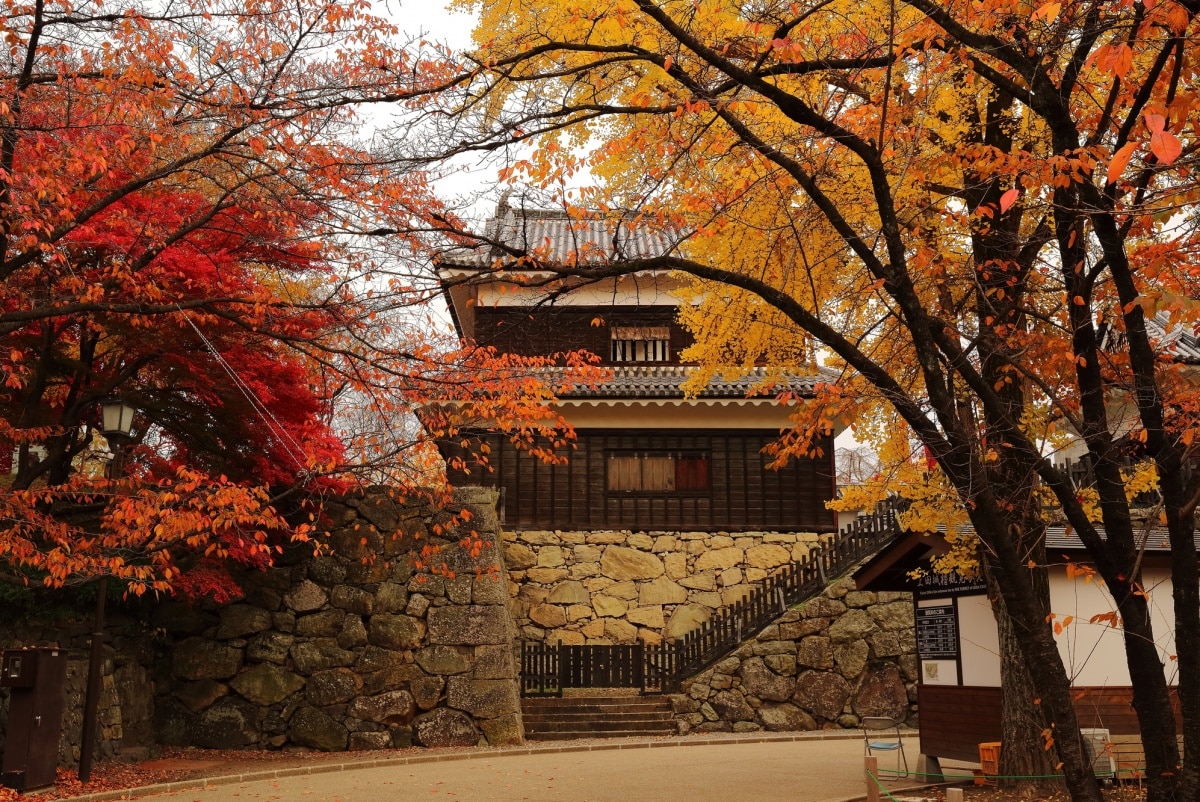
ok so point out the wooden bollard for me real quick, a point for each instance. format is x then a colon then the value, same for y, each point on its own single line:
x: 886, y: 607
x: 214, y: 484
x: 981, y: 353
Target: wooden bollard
x: 954, y: 795
x: 872, y: 774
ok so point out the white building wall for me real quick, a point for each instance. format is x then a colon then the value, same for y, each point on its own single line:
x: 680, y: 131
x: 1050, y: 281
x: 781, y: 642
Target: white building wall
x: 1094, y: 653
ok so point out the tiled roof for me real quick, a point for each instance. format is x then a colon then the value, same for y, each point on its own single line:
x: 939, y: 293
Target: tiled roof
x: 1065, y: 539
x: 555, y: 237
x: 1180, y: 341
x: 666, y: 381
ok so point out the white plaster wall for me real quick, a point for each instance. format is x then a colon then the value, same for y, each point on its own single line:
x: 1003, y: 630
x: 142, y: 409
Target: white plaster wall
x: 978, y: 641
x: 637, y: 290
x: 1094, y: 653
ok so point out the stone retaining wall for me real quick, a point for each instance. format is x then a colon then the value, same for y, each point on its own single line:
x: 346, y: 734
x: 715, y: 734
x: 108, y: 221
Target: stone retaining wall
x: 622, y: 587
x: 356, y: 649
x: 839, y: 656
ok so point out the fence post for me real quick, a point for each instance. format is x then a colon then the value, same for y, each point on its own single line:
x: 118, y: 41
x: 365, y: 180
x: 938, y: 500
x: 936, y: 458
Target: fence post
x: 871, y: 773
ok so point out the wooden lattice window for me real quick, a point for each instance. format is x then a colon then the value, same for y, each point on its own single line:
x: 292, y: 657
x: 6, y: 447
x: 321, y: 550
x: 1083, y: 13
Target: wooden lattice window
x: 657, y: 472
x: 641, y: 344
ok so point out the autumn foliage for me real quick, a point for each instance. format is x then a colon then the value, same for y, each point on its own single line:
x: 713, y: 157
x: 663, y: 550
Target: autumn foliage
x: 182, y: 188
x: 984, y: 210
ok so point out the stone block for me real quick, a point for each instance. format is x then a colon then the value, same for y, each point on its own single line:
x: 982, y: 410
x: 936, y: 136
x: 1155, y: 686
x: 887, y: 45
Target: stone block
x: 550, y: 616
x: 445, y: 727
x: 640, y: 541
x: 352, y: 599
x: 547, y: 576
x: 323, y: 624
x: 200, y: 658
x: 719, y: 559
x: 353, y: 634
x: 390, y: 597
x: 370, y: 741
x: 785, y: 718
x: 396, y: 631
x: 518, y: 557
x: 661, y: 591
x: 489, y: 589
x: 269, y: 647
x: 699, y: 582
x: 333, y: 687
x: 442, y: 660
x: 393, y: 707
x: 851, y: 658
x: 622, y: 563
x: 685, y: 618
x: 852, y: 625
x: 730, y: 576
x: 893, y: 617
x: 823, y: 693
x: 312, y: 728
x: 650, y: 616
x: 483, y: 698
x: 503, y: 730
x: 815, y: 651
x: 550, y: 557
x: 266, y: 683
x: 473, y: 625
x: 606, y: 605
x: 620, y: 631
x: 239, y: 620
x: 569, y: 592
x: 768, y: 555
x: 305, y: 597
x: 319, y: 654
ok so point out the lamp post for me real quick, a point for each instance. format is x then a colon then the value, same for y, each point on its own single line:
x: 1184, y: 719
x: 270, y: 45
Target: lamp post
x: 117, y: 423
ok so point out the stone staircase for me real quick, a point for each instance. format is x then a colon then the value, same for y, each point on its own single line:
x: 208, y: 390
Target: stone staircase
x: 596, y: 715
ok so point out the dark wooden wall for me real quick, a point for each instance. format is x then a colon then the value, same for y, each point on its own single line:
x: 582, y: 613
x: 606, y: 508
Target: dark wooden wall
x: 551, y: 329
x: 955, y: 719
x: 743, y: 495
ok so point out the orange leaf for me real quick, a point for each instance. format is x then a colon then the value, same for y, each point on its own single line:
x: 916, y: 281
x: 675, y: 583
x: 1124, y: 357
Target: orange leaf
x: 1165, y: 146
x: 1047, y: 13
x: 1008, y: 199
x: 1119, y: 161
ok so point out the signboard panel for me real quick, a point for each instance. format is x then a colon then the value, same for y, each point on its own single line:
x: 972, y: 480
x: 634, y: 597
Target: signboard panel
x: 937, y: 632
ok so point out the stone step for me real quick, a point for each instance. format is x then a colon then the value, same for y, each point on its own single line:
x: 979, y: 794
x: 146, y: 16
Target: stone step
x: 574, y: 718
x: 596, y: 715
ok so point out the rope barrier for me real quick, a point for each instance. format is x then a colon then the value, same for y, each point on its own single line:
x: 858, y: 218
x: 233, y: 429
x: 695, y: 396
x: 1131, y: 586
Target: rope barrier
x: 879, y: 784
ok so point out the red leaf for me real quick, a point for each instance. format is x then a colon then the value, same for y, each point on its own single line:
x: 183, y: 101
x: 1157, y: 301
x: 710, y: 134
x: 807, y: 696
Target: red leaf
x: 1008, y: 199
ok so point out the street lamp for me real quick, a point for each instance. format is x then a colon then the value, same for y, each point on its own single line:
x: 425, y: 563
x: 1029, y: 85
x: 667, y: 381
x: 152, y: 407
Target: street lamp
x: 116, y: 424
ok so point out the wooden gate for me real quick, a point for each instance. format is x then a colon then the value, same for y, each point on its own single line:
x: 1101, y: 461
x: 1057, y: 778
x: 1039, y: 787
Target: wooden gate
x: 546, y: 670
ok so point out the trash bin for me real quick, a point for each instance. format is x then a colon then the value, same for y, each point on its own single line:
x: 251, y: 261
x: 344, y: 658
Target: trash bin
x: 36, y: 680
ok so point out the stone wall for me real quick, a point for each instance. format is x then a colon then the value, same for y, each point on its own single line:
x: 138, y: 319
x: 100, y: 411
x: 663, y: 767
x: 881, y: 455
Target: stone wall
x: 623, y: 587
x: 125, y: 711
x: 826, y: 663
x: 357, y: 649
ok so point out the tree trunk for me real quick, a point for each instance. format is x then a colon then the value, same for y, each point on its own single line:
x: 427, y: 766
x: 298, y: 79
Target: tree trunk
x: 1028, y: 748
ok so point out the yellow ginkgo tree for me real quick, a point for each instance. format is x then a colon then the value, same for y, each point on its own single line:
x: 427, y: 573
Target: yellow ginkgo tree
x: 977, y: 207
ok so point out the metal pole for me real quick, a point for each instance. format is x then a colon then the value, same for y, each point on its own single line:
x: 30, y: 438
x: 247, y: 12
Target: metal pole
x: 92, y: 701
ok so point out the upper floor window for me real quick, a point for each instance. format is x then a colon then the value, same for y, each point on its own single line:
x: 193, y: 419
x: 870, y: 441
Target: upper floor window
x: 657, y: 472
x: 641, y: 344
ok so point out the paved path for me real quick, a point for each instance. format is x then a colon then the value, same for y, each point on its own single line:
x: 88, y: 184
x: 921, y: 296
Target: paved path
x: 683, y: 769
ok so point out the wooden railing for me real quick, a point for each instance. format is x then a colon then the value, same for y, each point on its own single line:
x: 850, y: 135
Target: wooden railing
x: 546, y: 670
x: 798, y: 582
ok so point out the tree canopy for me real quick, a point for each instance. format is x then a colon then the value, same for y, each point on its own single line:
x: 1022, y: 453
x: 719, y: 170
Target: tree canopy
x: 183, y: 186
x: 983, y: 210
